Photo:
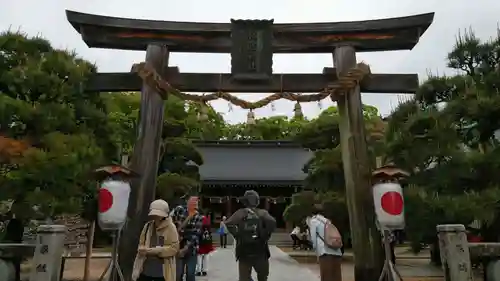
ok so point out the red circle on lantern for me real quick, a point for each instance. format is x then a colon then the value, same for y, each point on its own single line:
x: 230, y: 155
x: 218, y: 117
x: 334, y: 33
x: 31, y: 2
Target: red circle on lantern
x: 105, y: 200
x: 392, y: 203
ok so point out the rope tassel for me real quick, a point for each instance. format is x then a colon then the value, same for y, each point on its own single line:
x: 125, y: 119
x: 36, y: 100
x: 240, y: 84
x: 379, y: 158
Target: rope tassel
x: 297, y: 110
x: 203, y: 114
x: 251, y: 118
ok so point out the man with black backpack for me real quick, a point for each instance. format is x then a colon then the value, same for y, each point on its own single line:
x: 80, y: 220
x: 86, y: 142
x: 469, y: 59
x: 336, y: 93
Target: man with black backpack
x: 252, y: 227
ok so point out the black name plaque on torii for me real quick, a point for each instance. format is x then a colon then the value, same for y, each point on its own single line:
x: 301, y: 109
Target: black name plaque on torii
x: 251, y: 50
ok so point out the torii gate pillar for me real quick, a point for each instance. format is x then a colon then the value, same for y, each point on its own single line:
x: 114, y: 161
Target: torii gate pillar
x: 366, y: 243
x: 145, y: 160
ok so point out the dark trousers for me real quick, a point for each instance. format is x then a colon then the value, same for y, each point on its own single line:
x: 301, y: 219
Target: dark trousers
x: 186, y: 265
x: 296, y: 240
x: 330, y: 268
x: 260, y: 265
x: 305, y: 244
x: 147, y: 278
x: 223, y: 240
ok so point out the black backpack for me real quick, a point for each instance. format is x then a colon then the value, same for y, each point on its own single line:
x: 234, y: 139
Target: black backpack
x: 251, y: 239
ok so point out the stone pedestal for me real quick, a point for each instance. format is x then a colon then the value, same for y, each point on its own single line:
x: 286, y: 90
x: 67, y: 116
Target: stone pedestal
x: 455, y: 255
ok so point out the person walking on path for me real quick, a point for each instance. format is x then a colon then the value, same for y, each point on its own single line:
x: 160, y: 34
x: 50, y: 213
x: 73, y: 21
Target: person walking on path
x: 223, y: 232
x: 158, y: 246
x: 252, y: 227
x: 327, y: 242
x: 295, y: 237
x: 189, y: 223
x: 206, y: 247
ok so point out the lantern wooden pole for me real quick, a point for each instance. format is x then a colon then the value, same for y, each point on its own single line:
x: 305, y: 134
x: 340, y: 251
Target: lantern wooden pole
x: 88, y: 251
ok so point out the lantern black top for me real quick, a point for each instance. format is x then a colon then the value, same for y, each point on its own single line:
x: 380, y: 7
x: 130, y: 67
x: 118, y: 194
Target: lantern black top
x: 114, y: 170
x: 389, y: 172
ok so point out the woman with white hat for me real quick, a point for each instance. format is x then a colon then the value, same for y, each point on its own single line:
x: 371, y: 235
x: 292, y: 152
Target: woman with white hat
x: 158, y: 246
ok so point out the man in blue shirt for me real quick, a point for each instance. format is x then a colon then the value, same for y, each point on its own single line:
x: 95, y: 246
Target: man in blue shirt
x: 189, y: 227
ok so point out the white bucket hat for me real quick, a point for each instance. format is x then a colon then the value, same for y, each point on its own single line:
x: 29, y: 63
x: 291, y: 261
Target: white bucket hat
x: 159, y: 208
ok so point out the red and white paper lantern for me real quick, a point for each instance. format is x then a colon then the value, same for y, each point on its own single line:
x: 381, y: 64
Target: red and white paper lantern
x: 389, y: 205
x: 113, y: 204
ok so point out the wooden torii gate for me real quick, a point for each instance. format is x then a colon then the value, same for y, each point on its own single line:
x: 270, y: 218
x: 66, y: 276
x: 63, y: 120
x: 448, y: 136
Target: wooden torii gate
x: 252, y: 72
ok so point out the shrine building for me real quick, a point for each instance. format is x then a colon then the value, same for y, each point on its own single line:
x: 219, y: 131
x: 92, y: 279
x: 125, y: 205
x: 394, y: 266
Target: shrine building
x: 272, y: 168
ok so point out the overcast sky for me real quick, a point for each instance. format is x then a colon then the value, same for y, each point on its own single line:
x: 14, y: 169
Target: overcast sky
x: 47, y: 17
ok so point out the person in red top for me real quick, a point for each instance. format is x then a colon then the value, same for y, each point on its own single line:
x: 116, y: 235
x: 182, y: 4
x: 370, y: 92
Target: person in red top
x: 205, y: 248
x: 473, y: 236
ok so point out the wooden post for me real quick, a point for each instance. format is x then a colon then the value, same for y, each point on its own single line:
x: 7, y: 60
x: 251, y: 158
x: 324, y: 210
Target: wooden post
x: 368, y: 255
x: 454, y: 249
x: 145, y: 160
x: 88, y: 251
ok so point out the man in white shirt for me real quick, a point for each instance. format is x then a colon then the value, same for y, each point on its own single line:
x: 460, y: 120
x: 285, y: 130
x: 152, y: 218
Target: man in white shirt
x: 330, y: 259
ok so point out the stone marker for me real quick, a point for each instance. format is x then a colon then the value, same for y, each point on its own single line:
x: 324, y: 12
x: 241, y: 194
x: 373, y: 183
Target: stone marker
x: 455, y: 254
x: 7, y: 271
x: 49, y: 249
x: 9, y: 253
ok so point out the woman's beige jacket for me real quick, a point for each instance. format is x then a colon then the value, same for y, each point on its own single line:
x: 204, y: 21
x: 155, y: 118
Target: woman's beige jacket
x: 168, y: 252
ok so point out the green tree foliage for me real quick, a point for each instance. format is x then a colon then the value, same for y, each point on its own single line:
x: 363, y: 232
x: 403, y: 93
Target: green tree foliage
x: 445, y: 138
x: 270, y: 128
x: 123, y: 114
x: 322, y: 135
x: 52, y: 133
x: 332, y: 202
x: 213, y: 128
x: 325, y: 171
x: 179, y: 159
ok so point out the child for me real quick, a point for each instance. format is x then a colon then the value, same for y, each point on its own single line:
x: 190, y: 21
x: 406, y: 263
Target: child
x: 206, y: 247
